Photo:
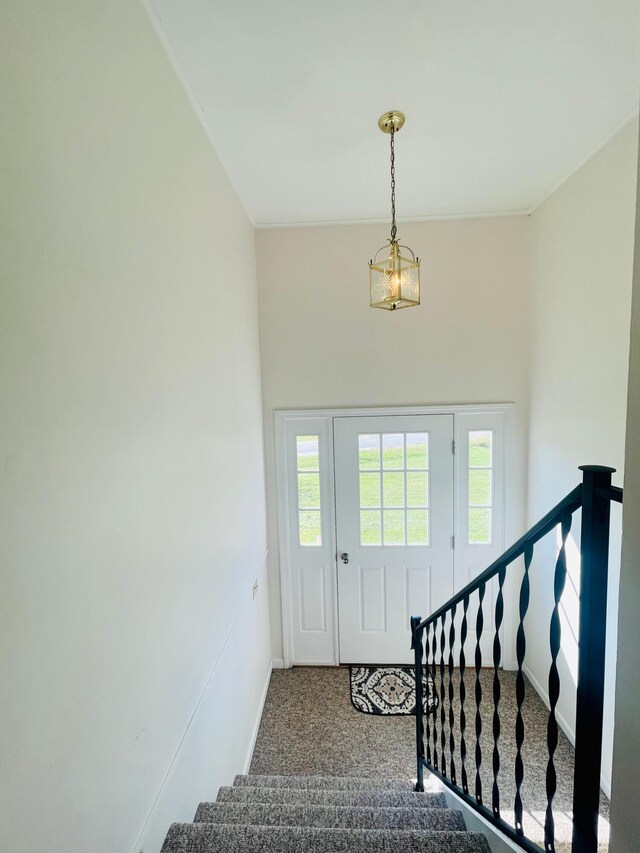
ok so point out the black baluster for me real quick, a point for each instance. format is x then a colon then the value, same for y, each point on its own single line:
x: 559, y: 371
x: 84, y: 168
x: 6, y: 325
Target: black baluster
x: 427, y: 669
x: 497, y: 654
x: 434, y: 651
x: 555, y: 634
x: 452, y: 742
x: 443, y: 713
x: 521, y: 646
x: 463, y: 695
x: 479, y: 628
x: 416, y: 645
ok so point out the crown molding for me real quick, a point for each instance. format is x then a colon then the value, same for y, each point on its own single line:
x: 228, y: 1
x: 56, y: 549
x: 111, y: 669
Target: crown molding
x: 442, y: 217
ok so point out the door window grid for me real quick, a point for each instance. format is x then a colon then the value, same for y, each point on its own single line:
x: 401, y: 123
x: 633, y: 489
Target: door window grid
x: 393, y: 489
x: 308, y: 491
x: 480, y: 489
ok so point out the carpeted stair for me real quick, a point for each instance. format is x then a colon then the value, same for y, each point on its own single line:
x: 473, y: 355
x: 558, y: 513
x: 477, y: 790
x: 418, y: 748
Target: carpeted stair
x: 323, y: 814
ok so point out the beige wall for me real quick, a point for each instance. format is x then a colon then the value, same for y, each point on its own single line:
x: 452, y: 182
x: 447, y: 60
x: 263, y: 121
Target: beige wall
x: 511, y: 307
x: 323, y: 346
x: 133, y: 656
x: 625, y: 815
x: 582, y: 260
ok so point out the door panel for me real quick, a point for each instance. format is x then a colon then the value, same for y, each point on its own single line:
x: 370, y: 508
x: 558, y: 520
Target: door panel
x: 310, y: 552
x: 394, y: 520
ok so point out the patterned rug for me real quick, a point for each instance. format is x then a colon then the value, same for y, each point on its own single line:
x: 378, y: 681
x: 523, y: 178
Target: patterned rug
x: 389, y: 690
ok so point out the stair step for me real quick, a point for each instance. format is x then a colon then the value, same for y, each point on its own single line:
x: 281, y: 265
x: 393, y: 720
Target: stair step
x: 226, y: 838
x: 334, y: 783
x: 324, y: 797
x: 348, y: 817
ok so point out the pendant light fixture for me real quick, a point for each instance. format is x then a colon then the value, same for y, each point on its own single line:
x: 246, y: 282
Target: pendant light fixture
x: 394, y: 272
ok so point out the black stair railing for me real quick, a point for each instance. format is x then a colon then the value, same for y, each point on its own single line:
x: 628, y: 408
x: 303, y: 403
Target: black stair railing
x: 454, y: 753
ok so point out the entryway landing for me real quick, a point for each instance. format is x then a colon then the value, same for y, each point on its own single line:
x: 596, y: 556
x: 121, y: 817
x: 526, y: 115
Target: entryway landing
x: 309, y: 727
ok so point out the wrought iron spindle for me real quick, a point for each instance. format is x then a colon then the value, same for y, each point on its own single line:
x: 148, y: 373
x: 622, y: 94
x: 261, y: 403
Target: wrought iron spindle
x: 521, y: 646
x: 434, y: 652
x: 479, y: 628
x: 427, y: 670
x: 452, y: 741
x: 555, y: 635
x: 443, y: 713
x: 416, y: 644
x: 497, y: 654
x: 463, y: 696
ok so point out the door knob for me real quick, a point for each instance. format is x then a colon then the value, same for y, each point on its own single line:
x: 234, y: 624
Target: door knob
x: 344, y: 557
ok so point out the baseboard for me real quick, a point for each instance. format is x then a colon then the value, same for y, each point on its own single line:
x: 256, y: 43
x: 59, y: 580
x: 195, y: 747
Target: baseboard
x: 256, y: 727
x: 474, y: 821
x: 605, y: 784
x: 277, y: 663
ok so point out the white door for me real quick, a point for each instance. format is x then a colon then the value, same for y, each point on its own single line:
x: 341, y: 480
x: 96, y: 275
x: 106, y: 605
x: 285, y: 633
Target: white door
x: 394, y: 530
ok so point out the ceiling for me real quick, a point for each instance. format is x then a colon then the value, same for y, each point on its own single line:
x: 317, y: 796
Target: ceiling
x: 504, y: 99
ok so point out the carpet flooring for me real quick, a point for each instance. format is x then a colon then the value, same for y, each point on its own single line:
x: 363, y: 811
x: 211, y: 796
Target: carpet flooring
x: 309, y: 727
x: 281, y: 814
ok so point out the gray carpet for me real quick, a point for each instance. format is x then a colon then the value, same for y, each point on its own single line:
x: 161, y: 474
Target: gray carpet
x: 342, y: 817
x: 310, y: 727
x: 260, y: 818
x: 325, y: 797
x: 209, y: 838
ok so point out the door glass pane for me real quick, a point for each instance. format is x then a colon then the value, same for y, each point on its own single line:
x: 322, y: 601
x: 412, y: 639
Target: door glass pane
x: 417, y: 527
x: 417, y: 488
x: 370, y: 489
x: 393, y: 450
x: 401, y: 483
x: 309, y: 491
x: 393, y: 489
x: 480, y: 526
x: 394, y: 527
x: 417, y: 450
x: 308, y: 482
x: 480, y: 487
x: 480, y: 442
x: 310, y: 528
x: 480, y: 491
x: 370, y: 527
x: 307, y: 452
x: 368, y: 451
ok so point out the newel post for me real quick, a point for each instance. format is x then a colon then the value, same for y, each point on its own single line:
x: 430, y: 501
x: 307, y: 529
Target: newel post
x: 594, y: 547
x: 416, y: 645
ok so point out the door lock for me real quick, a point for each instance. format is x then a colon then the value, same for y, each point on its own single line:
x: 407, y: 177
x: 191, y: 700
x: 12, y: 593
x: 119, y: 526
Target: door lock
x: 344, y: 557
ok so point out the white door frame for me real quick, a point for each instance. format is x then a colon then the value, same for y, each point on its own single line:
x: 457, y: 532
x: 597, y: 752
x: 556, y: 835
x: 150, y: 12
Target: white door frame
x: 284, y: 417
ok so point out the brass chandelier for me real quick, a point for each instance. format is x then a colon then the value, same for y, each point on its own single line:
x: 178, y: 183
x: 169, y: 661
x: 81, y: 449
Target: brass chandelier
x: 394, y: 272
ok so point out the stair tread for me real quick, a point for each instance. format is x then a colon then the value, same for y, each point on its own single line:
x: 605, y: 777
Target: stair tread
x: 350, y: 817
x: 327, y: 797
x: 233, y: 838
x: 340, y: 783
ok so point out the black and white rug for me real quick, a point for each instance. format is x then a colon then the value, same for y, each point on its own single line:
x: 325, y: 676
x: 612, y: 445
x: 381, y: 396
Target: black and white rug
x: 389, y: 690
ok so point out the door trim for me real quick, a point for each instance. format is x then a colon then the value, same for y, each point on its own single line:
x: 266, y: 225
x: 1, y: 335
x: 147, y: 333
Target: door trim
x: 282, y: 417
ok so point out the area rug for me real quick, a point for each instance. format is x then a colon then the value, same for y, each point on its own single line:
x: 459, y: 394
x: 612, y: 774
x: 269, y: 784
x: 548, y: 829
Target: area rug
x: 389, y: 690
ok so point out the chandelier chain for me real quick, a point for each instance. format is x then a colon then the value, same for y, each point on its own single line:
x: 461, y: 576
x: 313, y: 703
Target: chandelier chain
x: 393, y: 184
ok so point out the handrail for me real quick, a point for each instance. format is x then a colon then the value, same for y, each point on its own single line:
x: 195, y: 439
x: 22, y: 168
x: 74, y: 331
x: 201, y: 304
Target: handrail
x: 430, y: 641
x: 569, y: 504
x: 612, y: 493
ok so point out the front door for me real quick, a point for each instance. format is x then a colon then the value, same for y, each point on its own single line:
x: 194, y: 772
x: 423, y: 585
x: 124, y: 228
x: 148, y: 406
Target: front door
x: 394, y: 530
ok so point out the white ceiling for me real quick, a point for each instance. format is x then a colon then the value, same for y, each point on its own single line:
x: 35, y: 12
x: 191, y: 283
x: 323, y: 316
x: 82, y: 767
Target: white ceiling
x: 504, y: 98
